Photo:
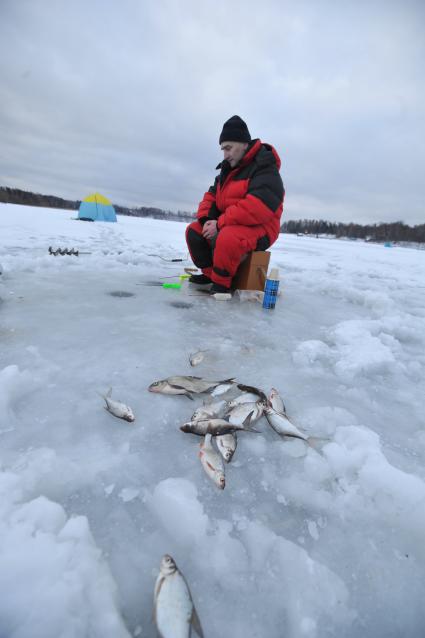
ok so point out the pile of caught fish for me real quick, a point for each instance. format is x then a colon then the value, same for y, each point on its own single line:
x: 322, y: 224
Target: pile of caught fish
x: 219, y: 421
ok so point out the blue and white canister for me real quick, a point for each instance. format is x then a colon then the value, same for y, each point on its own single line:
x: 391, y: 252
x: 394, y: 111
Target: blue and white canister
x: 271, y: 289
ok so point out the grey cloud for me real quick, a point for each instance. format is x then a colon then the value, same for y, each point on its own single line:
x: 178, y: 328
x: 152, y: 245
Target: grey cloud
x: 130, y: 100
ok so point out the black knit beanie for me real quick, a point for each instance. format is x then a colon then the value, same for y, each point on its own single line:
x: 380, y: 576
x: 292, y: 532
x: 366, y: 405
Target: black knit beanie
x: 235, y: 130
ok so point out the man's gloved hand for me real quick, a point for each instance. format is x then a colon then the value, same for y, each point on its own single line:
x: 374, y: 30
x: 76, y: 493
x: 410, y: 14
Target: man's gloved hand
x: 209, y: 230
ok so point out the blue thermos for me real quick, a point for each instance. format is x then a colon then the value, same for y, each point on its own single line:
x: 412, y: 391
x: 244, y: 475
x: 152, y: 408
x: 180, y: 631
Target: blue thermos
x: 271, y: 289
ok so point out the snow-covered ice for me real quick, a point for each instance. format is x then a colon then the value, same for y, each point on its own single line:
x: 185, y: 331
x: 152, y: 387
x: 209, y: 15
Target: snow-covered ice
x: 304, y: 542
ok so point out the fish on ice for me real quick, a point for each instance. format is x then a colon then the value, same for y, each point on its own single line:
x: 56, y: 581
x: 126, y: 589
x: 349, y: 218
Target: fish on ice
x: 239, y: 413
x: 212, y: 462
x: 283, y: 426
x: 117, y: 408
x: 165, y: 387
x: 174, y: 611
x: 245, y: 397
x: 216, y: 426
x: 197, y: 357
x: 222, y: 388
x: 209, y: 410
x: 253, y: 390
x: 226, y: 445
x: 275, y: 401
x: 187, y: 385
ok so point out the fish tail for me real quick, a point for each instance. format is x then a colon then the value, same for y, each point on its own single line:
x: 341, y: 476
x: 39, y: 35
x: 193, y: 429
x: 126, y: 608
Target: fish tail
x: 316, y: 441
x: 105, y: 397
x: 189, y: 396
x: 249, y: 428
x: 247, y: 421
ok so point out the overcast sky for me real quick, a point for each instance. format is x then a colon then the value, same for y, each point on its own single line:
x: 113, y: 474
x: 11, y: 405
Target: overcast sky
x: 128, y: 98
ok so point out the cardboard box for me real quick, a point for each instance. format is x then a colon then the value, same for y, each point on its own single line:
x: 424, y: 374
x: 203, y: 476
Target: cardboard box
x: 252, y: 272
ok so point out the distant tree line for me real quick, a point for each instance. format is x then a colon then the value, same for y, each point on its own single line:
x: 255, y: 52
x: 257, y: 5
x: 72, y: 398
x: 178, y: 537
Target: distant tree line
x: 396, y: 231
x: 17, y: 196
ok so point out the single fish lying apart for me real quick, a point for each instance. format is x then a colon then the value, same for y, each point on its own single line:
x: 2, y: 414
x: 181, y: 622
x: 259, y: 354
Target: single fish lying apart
x: 226, y: 445
x: 186, y: 385
x: 216, y: 426
x: 174, y: 611
x: 117, y: 408
x: 197, y: 357
x: 283, y: 426
x: 212, y: 462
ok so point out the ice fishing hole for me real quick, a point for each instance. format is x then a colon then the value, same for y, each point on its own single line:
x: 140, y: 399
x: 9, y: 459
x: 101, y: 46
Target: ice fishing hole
x: 181, y: 304
x: 121, y: 293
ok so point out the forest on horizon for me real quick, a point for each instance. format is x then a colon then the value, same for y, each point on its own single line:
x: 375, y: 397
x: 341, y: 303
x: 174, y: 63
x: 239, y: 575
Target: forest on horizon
x: 379, y: 232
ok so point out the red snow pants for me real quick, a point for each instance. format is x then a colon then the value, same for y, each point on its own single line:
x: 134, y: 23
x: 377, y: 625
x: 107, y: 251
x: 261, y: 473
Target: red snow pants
x: 219, y: 259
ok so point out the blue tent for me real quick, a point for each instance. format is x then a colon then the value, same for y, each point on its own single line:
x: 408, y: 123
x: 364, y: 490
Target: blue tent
x: 97, y: 208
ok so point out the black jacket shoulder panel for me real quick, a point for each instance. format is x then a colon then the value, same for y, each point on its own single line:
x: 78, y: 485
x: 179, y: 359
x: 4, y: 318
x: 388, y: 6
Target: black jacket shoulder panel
x: 266, y: 183
x: 265, y: 156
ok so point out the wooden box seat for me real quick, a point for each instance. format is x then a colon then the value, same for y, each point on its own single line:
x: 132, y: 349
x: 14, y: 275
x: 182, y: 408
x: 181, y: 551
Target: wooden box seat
x: 252, y: 271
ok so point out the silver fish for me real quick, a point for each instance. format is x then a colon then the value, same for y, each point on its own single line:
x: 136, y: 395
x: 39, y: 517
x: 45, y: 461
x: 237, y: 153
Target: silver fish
x: 164, y: 387
x: 117, y: 408
x: 226, y: 445
x: 253, y: 390
x: 185, y: 385
x: 197, y: 357
x: 239, y: 413
x: 246, y: 397
x: 207, y: 411
x: 216, y: 426
x: 212, y: 462
x: 282, y: 425
x: 222, y: 389
x: 275, y: 401
x: 174, y: 611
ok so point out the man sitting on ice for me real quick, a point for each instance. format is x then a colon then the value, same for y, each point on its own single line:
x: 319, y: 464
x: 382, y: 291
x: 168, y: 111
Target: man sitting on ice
x: 240, y: 212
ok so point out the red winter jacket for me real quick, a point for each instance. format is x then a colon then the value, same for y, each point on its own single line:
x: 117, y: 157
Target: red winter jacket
x: 251, y: 194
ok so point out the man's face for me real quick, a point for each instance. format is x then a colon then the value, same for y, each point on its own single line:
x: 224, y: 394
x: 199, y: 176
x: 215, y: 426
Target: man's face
x: 233, y: 152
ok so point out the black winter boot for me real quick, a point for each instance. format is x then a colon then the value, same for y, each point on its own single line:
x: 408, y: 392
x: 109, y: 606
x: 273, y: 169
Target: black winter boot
x: 199, y: 279
x: 219, y: 288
